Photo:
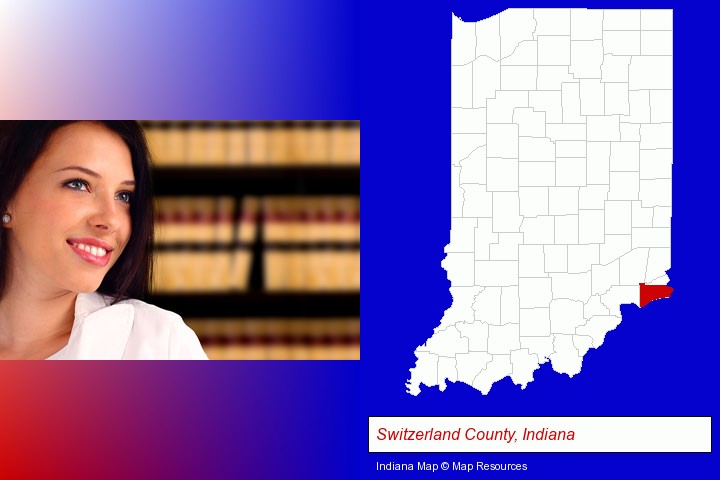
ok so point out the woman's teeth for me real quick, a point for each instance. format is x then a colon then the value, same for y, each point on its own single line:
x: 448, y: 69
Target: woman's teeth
x: 96, y: 251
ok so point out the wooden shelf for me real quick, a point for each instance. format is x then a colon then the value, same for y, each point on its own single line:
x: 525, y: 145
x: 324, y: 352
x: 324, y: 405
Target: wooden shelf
x: 254, y: 180
x: 274, y: 246
x: 259, y: 304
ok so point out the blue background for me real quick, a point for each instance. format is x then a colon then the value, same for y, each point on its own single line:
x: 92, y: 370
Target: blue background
x: 661, y: 360
x: 387, y: 64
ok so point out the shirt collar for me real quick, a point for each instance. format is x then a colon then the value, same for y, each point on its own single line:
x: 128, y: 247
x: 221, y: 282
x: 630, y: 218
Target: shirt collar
x: 87, y: 303
x: 100, y: 330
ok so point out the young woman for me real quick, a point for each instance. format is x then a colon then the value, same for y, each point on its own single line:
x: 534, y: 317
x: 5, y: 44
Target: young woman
x: 75, y: 246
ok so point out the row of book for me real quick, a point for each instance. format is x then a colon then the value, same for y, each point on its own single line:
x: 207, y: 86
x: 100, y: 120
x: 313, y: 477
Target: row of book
x: 279, y: 339
x: 247, y: 143
x: 208, y: 244
x: 283, y: 219
x: 321, y: 270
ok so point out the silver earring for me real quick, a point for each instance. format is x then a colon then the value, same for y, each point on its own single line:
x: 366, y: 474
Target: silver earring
x: 6, y: 218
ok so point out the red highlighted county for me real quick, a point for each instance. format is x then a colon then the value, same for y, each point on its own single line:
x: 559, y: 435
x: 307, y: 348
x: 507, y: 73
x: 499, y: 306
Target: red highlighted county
x: 648, y: 293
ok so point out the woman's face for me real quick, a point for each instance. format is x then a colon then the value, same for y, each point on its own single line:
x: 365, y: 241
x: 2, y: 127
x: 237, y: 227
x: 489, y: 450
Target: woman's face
x: 71, y: 215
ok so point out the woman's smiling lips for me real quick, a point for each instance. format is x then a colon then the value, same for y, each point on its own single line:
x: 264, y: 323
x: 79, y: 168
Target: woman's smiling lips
x: 92, y: 250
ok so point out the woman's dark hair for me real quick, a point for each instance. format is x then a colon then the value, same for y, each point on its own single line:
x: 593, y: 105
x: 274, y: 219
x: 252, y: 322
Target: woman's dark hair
x: 21, y: 142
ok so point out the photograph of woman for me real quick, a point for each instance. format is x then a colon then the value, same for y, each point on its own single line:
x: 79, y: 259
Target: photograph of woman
x: 75, y: 257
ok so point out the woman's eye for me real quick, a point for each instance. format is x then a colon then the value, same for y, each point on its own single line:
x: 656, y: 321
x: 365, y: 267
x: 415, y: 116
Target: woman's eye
x: 125, y: 197
x: 80, y: 185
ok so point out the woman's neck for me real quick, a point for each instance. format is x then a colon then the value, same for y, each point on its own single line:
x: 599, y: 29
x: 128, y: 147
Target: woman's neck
x: 34, y: 325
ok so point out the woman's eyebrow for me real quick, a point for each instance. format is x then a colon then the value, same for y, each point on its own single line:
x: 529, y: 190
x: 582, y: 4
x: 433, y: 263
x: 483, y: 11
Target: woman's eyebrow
x: 92, y: 173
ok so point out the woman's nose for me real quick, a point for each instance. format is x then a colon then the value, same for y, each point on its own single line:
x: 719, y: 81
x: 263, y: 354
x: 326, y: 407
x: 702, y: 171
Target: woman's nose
x: 106, y: 214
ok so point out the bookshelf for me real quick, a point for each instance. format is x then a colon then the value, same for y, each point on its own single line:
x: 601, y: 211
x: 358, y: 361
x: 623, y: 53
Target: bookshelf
x: 267, y: 215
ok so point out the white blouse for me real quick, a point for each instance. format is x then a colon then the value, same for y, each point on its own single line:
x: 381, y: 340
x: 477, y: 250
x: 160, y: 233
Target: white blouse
x: 128, y: 330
